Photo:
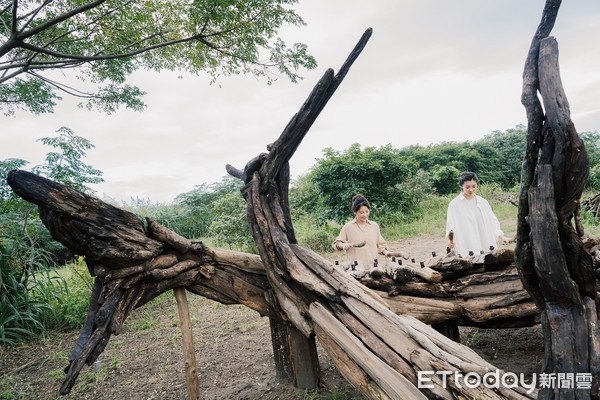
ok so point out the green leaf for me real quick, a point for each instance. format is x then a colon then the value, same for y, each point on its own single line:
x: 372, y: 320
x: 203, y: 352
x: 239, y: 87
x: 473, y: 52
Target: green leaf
x: 105, y: 43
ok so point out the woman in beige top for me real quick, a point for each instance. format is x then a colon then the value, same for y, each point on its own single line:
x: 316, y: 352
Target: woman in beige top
x: 361, y: 238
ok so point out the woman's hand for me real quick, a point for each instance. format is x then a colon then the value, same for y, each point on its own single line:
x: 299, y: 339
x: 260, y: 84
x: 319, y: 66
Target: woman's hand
x: 343, y: 246
x: 506, y: 240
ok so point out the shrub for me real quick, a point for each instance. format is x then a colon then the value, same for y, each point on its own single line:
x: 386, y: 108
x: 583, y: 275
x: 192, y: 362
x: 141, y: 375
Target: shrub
x: 317, y: 237
x: 230, y: 225
x: 22, y: 315
x: 72, y: 295
x: 382, y: 175
x: 594, y: 177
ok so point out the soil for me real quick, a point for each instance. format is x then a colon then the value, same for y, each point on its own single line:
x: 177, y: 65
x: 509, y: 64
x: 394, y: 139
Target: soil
x: 233, y: 353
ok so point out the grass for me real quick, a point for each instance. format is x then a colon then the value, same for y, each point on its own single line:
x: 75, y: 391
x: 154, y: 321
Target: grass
x: 333, y: 395
x: 431, y: 222
x: 473, y: 338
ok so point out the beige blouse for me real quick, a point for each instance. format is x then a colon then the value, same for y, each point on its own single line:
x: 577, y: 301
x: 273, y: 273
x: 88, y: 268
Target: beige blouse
x: 353, y: 232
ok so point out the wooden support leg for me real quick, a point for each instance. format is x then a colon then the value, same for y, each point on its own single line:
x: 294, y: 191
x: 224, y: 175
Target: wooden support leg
x: 281, y: 351
x: 189, y: 354
x: 296, y: 358
x: 305, y: 361
x: 448, y: 329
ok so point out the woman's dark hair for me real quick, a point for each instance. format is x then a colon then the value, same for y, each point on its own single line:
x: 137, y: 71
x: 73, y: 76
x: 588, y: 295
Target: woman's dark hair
x: 467, y: 176
x: 358, y: 201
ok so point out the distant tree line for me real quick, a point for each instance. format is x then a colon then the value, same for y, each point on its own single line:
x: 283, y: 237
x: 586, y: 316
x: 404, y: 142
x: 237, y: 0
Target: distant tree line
x: 396, y: 180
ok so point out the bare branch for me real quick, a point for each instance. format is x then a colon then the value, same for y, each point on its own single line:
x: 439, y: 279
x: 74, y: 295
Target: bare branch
x: 58, y: 19
x: 65, y: 88
x: 32, y: 15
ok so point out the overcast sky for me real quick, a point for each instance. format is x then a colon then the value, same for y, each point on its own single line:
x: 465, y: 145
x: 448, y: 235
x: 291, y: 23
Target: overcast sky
x: 433, y: 71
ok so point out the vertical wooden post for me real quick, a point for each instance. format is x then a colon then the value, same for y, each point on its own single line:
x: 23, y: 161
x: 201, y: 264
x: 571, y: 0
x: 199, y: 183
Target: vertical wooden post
x: 189, y: 354
x: 296, y: 358
x: 281, y: 351
x: 448, y: 329
x: 305, y: 360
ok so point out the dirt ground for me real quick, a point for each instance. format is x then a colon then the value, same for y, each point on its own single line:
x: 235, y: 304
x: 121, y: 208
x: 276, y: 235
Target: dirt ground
x: 233, y: 352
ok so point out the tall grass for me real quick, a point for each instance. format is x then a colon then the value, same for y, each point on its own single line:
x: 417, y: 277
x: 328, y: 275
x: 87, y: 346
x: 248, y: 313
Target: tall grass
x: 433, y: 219
x: 49, y: 299
x: 71, y: 298
x: 22, y: 313
x: 431, y: 222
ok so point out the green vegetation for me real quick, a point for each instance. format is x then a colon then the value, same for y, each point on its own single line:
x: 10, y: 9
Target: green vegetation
x: 392, y: 183
x: 335, y: 394
x: 33, y: 297
x: 71, y: 294
x: 103, y: 43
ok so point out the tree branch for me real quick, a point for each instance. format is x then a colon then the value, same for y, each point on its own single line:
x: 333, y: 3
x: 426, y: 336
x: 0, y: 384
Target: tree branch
x: 32, y: 15
x: 63, y: 17
x: 67, y: 89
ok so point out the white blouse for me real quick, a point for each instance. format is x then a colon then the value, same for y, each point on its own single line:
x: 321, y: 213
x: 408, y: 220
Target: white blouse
x: 475, y: 225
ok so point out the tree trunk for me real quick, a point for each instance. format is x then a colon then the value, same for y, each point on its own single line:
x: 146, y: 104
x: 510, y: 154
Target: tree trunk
x: 553, y: 263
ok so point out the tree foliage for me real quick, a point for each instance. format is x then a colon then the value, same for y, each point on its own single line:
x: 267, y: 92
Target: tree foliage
x: 197, y: 209
x: 592, y: 146
x: 230, y: 225
x: 26, y: 241
x: 381, y: 174
x: 104, y: 41
x: 65, y: 165
x: 496, y: 159
x: 441, y: 161
x: 504, y: 168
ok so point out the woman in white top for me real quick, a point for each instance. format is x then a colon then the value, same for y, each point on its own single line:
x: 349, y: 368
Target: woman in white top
x: 471, y: 221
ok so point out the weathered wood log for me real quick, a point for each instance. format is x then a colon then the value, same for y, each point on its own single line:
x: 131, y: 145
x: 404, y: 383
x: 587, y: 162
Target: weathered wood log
x: 430, y: 311
x: 495, y: 299
x: 394, y: 385
x: 349, y: 368
x: 592, y: 205
x: 130, y: 283
x: 451, y: 262
x: 264, y: 196
x: 402, y: 274
x: 551, y: 257
x: 170, y: 238
x: 425, y: 273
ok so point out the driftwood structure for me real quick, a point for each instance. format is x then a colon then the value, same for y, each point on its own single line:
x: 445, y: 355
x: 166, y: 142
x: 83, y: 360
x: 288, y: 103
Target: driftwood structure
x: 483, y: 291
x: 551, y: 258
x: 375, y: 349
x: 375, y: 329
x: 304, y: 295
x: 592, y: 205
